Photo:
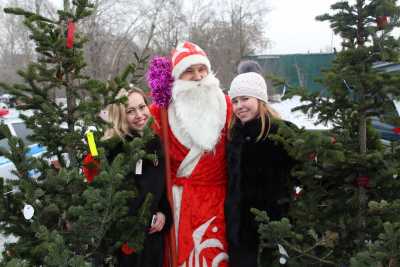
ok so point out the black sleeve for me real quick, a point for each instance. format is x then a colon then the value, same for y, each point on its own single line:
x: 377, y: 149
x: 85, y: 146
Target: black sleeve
x: 164, y: 205
x: 165, y: 208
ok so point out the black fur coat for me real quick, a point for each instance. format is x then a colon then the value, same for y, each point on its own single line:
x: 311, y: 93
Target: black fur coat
x: 259, y: 177
x: 150, y: 181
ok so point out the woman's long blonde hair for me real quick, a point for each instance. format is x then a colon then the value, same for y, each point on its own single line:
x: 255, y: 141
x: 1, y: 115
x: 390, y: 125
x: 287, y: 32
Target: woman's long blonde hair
x: 117, y: 114
x: 265, y: 112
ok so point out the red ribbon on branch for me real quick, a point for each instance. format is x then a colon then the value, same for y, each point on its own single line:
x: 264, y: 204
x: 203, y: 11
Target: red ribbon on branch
x: 363, y: 181
x: 382, y: 22
x: 70, y: 33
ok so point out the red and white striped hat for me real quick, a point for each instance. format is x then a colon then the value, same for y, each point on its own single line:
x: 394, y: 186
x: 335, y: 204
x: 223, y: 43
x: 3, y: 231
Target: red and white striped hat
x: 185, y: 55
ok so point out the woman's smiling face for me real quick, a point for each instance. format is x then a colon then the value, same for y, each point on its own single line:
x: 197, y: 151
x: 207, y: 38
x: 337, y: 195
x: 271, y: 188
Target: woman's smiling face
x: 137, y: 112
x: 245, y: 108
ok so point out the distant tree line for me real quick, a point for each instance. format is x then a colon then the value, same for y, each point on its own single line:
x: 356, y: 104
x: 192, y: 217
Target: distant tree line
x: 119, y: 29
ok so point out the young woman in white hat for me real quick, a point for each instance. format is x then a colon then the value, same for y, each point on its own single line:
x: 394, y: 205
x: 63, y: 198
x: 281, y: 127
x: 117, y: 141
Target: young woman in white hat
x: 258, y: 168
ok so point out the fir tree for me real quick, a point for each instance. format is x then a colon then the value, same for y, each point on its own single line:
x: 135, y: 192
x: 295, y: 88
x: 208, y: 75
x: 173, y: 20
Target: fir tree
x: 347, y: 212
x: 75, y: 222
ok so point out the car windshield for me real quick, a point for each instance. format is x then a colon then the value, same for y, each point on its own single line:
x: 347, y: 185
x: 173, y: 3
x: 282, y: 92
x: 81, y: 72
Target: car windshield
x: 391, y: 116
x: 3, y: 142
x: 22, y: 131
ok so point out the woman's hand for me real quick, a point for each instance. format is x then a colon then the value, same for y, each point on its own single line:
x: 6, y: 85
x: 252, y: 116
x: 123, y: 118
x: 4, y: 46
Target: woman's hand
x: 158, y: 224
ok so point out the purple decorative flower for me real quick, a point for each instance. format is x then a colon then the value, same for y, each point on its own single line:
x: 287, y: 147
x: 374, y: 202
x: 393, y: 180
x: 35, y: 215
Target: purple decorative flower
x: 159, y: 79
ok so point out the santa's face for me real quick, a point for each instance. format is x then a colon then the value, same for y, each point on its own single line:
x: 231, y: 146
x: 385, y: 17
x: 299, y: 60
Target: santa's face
x: 194, y: 73
x: 245, y: 108
x: 199, y: 109
x: 137, y: 112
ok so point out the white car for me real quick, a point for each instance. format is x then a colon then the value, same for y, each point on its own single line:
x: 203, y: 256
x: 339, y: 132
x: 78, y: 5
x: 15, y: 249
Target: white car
x: 17, y: 128
x: 387, y: 131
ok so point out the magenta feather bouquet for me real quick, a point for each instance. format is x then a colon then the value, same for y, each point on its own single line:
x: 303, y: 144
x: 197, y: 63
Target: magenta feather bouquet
x: 159, y: 79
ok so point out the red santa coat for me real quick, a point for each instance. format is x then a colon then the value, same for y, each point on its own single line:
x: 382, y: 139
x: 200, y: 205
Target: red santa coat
x: 201, y: 229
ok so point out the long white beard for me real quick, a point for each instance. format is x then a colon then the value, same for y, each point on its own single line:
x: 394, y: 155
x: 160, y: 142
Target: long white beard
x: 197, y: 112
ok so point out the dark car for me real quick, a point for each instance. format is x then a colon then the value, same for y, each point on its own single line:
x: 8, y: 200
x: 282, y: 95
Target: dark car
x: 389, y: 126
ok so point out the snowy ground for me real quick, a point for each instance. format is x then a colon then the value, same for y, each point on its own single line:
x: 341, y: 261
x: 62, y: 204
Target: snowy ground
x: 285, y: 107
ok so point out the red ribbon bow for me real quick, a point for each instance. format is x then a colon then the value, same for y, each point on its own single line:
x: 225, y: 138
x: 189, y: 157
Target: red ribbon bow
x: 126, y: 249
x: 91, y: 167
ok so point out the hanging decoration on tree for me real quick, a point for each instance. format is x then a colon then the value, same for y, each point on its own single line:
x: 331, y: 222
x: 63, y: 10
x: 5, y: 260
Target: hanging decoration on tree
x: 159, y: 79
x: 70, y: 33
x: 297, y: 192
x: 382, y: 22
x: 283, y: 255
x: 28, y: 211
x: 91, y: 167
x: 363, y: 181
x: 333, y: 140
x: 126, y: 249
x: 92, y: 144
x: 313, y: 156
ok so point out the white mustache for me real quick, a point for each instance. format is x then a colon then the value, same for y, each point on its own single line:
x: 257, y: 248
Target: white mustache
x: 210, y: 82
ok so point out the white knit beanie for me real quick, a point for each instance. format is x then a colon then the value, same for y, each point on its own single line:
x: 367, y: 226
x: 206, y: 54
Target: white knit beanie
x: 185, y: 55
x: 249, y: 84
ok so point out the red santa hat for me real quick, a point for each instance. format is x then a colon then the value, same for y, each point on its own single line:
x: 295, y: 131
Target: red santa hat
x: 185, y: 55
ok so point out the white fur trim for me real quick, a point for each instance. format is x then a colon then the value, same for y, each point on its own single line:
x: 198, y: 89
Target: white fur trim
x: 177, y: 199
x: 195, y: 119
x: 188, y: 61
x: 189, y: 162
x: 181, y: 135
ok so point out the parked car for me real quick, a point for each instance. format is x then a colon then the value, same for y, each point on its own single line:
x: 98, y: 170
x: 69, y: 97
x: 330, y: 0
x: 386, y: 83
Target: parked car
x: 388, y: 132
x: 18, y: 128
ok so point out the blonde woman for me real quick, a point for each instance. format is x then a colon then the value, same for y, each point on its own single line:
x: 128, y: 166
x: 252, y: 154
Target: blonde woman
x: 128, y: 121
x: 258, y: 168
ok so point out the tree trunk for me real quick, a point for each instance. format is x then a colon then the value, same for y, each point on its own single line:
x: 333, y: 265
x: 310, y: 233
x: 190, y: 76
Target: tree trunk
x: 362, y: 129
x: 362, y: 134
x: 66, y: 5
x: 362, y: 192
x: 71, y: 103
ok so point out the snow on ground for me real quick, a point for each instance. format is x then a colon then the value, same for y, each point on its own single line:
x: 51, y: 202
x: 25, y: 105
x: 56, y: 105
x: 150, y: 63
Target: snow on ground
x: 3, y: 240
x: 284, y: 108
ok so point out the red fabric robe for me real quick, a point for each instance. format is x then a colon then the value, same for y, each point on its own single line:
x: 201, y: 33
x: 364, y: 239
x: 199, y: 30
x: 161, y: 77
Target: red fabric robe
x: 201, y: 230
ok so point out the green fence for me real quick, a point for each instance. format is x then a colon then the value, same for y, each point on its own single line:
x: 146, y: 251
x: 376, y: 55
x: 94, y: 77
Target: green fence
x: 297, y: 69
